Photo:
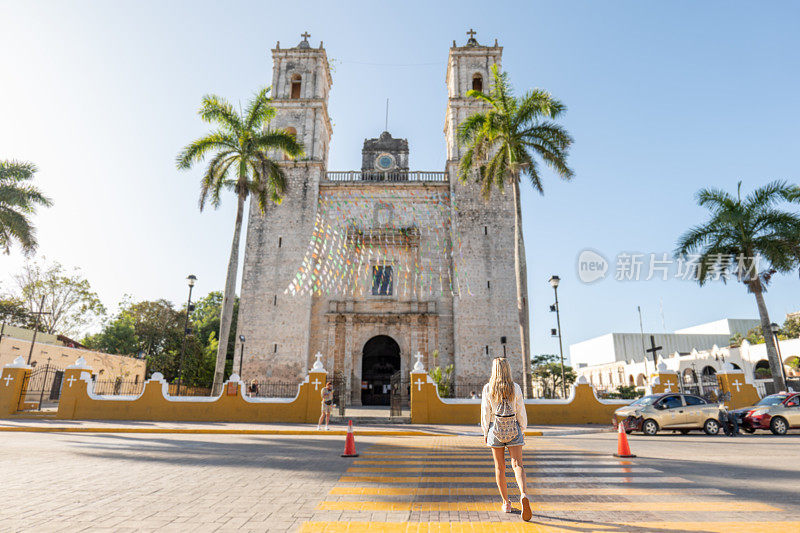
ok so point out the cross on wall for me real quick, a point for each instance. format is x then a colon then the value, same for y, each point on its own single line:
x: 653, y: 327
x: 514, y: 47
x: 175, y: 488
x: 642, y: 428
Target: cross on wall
x: 316, y: 383
x: 738, y: 384
x: 668, y: 387
x: 71, y: 380
x: 7, y: 379
x: 419, y: 383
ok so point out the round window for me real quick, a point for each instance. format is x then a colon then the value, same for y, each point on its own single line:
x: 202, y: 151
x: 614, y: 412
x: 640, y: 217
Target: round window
x: 385, y: 161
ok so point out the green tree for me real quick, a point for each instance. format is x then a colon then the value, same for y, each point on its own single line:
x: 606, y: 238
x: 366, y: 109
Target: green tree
x: 69, y: 301
x: 750, y: 239
x: 118, y: 336
x: 241, y: 162
x: 443, y: 377
x: 546, y: 370
x: 18, y: 200
x: 502, y: 144
x: 14, y: 313
x: 206, y: 317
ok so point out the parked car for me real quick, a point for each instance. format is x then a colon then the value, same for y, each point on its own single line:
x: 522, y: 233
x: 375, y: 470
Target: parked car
x: 776, y: 412
x: 682, y: 412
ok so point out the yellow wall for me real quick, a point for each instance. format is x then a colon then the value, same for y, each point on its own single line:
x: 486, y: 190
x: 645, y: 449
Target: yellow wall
x: 582, y: 407
x: 76, y: 403
x: 104, y: 365
x: 742, y: 394
x: 11, y: 380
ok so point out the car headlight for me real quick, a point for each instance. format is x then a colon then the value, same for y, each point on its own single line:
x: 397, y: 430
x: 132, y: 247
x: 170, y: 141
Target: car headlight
x: 758, y: 412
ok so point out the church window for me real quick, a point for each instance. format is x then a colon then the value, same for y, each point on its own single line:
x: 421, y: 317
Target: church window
x: 487, y: 349
x: 280, y: 240
x: 275, y: 348
x: 486, y: 230
x: 382, y: 280
x: 477, y: 82
x: 275, y: 300
x: 296, y: 84
x: 488, y: 284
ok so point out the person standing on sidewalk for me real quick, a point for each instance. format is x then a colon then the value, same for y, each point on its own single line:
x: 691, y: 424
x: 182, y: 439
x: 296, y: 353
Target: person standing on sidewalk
x: 503, y: 421
x: 327, y: 405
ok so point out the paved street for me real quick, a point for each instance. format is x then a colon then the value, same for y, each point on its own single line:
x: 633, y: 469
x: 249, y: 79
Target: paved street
x: 167, y: 482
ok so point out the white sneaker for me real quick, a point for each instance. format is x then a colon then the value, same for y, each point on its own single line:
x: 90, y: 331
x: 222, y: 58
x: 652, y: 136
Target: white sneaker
x: 507, y: 508
x: 319, y: 428
x: 327, y: 428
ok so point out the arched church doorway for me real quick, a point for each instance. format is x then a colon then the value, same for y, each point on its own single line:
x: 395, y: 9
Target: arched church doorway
x: 379, y: 360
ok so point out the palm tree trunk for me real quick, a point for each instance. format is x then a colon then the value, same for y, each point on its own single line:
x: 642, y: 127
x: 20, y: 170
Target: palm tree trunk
x: 521, y: 272
x: 775, y: 363
x: 228, y: 300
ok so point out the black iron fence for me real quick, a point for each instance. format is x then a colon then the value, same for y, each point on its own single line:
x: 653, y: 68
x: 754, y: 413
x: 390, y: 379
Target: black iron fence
x: 41, y: 388
x: 273, y: 389
x: 117, y: 387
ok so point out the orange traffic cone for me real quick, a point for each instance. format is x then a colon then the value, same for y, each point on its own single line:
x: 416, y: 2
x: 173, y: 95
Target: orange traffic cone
x: 623, y: 450
x: 350, y: 442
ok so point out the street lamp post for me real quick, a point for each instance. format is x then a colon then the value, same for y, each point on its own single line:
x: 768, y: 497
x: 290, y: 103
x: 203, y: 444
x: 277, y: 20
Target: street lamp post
x: 191, y: 279
x: 241, y: 356
x: 554, y: 280
x: 775, y: 329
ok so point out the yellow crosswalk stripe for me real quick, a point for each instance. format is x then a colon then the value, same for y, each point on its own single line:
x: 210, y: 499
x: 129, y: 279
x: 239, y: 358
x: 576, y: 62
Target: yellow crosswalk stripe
x: 509, y: 475
x: 582, y: 506
x: 492, y: 491
x: 547, y: 527
x: 359, y: 469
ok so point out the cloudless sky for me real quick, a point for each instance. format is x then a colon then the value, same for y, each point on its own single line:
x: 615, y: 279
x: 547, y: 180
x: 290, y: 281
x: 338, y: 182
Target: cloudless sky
x: 664, y: 98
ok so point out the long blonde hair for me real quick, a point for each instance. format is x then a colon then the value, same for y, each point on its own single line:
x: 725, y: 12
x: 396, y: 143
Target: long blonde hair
x: 501, y: 384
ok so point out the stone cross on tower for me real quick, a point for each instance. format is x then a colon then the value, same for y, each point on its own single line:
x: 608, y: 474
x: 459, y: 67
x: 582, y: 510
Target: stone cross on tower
x: 653, y: 349
x: 471, y: 33
x: 305, y: 35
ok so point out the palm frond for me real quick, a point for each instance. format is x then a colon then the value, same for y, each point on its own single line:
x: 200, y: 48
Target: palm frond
x: 215, y: 109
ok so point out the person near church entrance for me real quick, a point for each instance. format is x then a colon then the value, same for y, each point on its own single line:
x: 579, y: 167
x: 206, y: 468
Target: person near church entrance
x: 327, y: 405
x: 503, y: 421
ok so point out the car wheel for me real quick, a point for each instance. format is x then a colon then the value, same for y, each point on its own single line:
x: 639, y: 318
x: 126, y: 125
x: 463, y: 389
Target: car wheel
x: 684, y: 432
x: 650, y: 427
x: 628, y: 431
x: 778, y: 425
x: 711, y: 427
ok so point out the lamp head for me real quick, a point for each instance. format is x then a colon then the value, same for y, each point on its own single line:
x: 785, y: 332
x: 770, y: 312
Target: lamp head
x: 774, y: 327
x: 191, y: 279
x: 554, y: 281
x: 241, y: 338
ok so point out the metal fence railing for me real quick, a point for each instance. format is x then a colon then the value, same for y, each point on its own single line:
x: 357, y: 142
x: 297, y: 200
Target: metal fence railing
x: 272, y: 389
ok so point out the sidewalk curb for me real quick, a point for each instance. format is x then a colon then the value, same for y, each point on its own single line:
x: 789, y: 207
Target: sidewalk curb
x: 201, y: 431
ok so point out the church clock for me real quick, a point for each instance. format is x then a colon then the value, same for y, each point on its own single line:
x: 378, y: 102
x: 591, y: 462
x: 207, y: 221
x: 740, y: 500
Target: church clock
x: 385, y: 162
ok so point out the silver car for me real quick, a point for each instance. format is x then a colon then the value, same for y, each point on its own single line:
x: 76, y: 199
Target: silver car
x: 682, y: 412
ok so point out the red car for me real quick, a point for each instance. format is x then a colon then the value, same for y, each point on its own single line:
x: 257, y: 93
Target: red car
x: 776, y: 412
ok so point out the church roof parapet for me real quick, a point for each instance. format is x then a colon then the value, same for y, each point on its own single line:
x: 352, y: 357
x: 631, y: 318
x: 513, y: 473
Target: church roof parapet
x: 391, y: 176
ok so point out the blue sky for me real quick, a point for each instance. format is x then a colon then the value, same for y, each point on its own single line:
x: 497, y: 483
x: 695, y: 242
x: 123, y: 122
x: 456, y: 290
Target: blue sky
x: 664, y: 98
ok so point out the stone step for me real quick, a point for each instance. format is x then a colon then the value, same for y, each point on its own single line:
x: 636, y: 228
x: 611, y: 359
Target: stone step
x: 370, y: 420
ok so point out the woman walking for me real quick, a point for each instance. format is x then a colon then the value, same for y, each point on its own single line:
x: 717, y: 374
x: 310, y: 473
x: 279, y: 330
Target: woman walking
x: 503, y: 420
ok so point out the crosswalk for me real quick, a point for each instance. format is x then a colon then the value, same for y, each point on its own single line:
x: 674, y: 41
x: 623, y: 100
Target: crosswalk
x: 447, y: 484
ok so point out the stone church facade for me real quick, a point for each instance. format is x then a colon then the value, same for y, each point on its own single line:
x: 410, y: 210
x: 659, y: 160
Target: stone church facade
x: 370, y: 267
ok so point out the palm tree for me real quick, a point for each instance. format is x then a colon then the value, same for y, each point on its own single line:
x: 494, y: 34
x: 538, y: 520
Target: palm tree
x: 750, y: 238
x: 18, y: 199
x: 501, y: 144
x: 241, y: 162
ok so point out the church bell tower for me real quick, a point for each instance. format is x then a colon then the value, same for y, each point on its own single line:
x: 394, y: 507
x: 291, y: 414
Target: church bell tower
x: 485, y: 320
x: 274, y: 323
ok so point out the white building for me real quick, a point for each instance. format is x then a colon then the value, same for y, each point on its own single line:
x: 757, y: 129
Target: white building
x: 618, y: 359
